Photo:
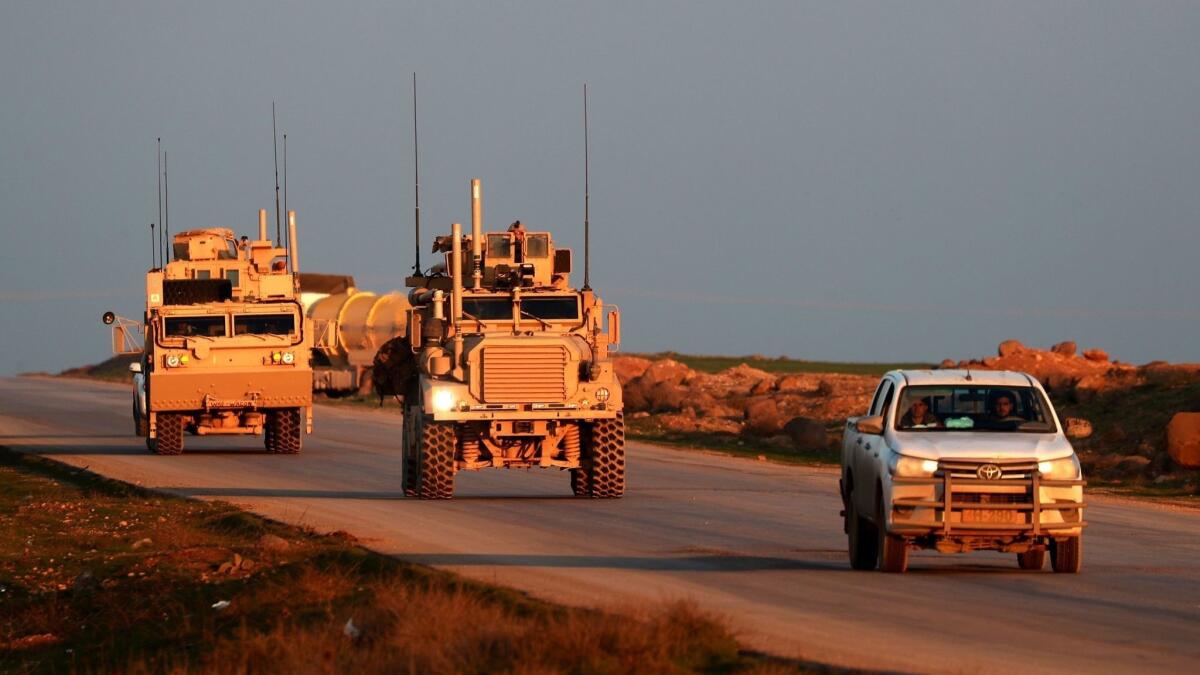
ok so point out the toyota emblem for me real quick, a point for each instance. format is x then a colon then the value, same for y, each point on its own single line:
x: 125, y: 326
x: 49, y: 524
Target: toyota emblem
x: 989, y: 472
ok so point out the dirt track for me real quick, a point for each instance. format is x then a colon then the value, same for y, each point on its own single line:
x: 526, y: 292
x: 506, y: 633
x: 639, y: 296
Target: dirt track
x: 758, y: 542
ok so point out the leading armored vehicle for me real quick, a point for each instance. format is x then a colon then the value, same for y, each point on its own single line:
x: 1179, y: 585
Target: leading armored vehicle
x: 227, y: 345
x: 504, y: 364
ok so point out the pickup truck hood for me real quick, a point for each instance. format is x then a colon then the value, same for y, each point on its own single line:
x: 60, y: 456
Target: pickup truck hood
x: 980, y: 445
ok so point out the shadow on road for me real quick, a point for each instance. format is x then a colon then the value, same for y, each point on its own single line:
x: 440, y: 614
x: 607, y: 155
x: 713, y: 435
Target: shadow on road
x: 702, y: 563
x: 279, y: 492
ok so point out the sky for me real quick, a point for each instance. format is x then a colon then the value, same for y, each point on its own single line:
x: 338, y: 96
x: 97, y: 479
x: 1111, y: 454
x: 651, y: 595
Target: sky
x: 864, y: 181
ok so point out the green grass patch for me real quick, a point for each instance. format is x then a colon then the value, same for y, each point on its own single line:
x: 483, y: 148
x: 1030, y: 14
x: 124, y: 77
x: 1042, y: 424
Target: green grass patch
x: 714, y: 364
x: 97, y: 575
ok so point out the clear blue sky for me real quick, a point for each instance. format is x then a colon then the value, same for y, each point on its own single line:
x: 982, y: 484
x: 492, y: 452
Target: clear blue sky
x: 841, y: 180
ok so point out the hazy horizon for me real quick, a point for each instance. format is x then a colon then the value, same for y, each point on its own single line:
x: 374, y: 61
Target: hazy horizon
x: 843, y: 181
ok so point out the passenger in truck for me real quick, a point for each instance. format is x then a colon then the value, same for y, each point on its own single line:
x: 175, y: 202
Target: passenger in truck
x: 919, y: 416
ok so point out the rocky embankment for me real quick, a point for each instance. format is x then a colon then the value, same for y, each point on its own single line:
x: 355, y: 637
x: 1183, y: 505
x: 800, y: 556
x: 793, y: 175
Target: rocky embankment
x: 1135, y: 424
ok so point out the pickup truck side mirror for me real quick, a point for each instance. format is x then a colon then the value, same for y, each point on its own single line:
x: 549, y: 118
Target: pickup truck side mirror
x: 135, y: 367
x: 870, y: 425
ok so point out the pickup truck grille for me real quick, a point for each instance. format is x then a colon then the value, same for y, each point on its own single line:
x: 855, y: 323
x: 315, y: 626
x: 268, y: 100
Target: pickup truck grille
x: 524, y: 374
x: 1021, y: 470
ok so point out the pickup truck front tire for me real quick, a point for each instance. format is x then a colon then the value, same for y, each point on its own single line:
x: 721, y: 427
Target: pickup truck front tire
x: 893, y: 550
x: 863, y: 538
x: 1066, y: 555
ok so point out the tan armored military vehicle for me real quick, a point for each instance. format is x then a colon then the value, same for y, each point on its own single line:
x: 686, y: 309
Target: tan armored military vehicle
x: 227, y: 346
x: 503, y: 364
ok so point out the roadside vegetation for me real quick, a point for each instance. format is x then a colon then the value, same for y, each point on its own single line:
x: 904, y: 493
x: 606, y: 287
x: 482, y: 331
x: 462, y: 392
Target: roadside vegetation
x: 97, y: 575
x: 778, y: 364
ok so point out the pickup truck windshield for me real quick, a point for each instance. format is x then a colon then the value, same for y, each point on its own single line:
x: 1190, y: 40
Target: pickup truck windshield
x: 195, y: 326
x: 974, y: 408
x: 264, y: 324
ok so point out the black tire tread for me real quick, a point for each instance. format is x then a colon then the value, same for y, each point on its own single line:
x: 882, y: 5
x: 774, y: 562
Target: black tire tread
x: 435, y: 464
x: 284, y: 433
x: 168, y: 435
x: 605, y: 459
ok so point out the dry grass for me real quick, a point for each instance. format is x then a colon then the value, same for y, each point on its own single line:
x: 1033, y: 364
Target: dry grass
x: 99, y: 576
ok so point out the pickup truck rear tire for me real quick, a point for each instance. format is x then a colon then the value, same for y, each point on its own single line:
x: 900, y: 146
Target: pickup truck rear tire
x: 1033, y: 559
x: 863, y: 539
x: 893, y: 550
x: 1066, y: 555
x: 141, y: 426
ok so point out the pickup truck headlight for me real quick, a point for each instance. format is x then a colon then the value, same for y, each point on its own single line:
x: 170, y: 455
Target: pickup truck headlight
x: 1066, y: 468
x: 912, y: 467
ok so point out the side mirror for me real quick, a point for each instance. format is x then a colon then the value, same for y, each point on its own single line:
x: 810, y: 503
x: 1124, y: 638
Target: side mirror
x: 614, y: 327
x: 870, y: 425
x: 135, y: 367
x: 109, y: 318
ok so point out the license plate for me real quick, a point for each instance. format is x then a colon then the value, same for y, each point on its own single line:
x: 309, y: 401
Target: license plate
x: 992, y: 516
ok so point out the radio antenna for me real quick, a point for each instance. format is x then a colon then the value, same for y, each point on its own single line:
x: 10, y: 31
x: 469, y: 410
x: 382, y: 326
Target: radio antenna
x: 416, y: 185
x: 275, y: 152
x: 587, y: 229
x: 166, y: 231
x: 158, y: 244
x: 153, y: 249
x: 286, y: 233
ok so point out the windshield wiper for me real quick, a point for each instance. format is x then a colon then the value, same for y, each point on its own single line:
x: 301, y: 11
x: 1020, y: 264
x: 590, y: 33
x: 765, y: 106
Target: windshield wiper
x: 478, y: 321
x: 539, y: 319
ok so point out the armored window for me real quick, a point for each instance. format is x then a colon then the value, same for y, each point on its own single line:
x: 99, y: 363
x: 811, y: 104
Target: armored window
x: 203, y: 274
x: 551, y: 309
x: 264, y: 324
x: 537, y: 246
x: 499, y: 246
x: 233, y: 277
x: 194, y: 326
x: 488, y: 309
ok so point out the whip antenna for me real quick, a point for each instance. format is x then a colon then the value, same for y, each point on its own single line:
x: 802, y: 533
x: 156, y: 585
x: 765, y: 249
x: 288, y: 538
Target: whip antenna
x: 153, y: 249
x: 587, y: 240
x: 275, y: 152
x: 287, y: 233
x: 416, y: 184
x: 158, y: 244
x: 166, y: 231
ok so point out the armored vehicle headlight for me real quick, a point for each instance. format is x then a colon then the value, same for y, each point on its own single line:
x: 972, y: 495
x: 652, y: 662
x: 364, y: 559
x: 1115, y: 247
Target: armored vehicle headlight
x: 289, y: 357
x: 602, y: 394
x: 173, y: 361
x: 443, y: 400
x: 1066, y: 468
x: 901, y: 465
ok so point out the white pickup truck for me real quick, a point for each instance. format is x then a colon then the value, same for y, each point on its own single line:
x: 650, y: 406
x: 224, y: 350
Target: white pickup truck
x: 959, y: 461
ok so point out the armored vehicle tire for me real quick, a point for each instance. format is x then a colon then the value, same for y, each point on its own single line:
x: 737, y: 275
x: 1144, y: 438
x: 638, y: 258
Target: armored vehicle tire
x: 1066, y: 555
x: 436, y: 443
x: 862, y: 539
x: 1033, y: 559
x: 893, y: 550
x: 579, y: 482
x: 169, y: 434
x: 284, y: 432
x: 604, y: 461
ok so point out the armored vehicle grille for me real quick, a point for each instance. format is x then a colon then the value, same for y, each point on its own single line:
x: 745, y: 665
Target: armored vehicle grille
x: 528, y: 374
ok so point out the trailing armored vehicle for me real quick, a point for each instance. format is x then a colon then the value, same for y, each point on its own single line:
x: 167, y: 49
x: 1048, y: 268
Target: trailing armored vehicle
x: 504, y: 364
x: 227, y: 344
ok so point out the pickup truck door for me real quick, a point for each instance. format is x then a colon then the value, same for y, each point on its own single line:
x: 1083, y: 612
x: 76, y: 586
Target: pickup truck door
x: 867, y: 452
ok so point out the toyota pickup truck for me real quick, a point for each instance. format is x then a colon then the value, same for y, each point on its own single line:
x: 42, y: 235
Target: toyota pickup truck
x: 960, y: 461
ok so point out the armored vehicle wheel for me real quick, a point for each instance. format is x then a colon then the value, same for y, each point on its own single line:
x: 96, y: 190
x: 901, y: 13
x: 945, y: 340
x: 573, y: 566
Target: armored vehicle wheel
x: 141, y: 426
x: 169, y: 434
x: 408, y: 452
x: 579, y: 482
x: 604, y: 459
x: 1033, y: 559
x: 862, y: 539
x: 1066, y: 555
x: 283, y: 434
x: 893, y: 550
x: 436, y: 443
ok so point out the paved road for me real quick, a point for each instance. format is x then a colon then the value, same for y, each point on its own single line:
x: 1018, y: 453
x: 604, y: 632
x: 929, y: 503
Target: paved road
x: 756, y: 542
